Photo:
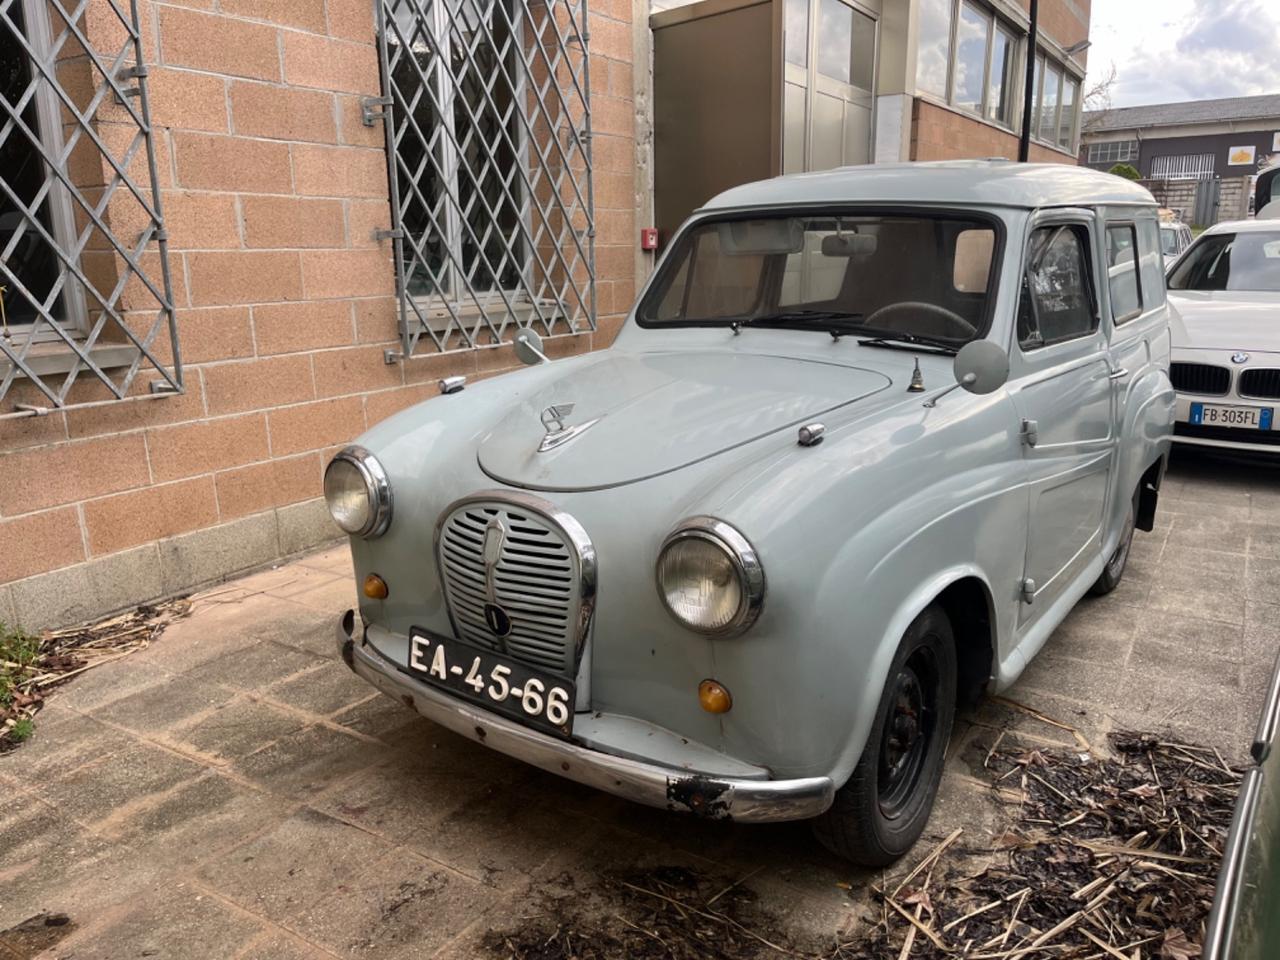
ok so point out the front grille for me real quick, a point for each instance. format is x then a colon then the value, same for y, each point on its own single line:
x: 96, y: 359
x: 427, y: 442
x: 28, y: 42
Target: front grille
x: 1260, y: 383
x: 1202, y: 378
x: 1233, y: 434
x: 536, y: 580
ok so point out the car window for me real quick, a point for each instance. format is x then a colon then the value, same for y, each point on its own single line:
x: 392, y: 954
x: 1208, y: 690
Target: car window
x: 1170, y: 241
x: 1057, y: 300
x: 1231, y: 261
x: 921, y: 272
x: 1122, y: 272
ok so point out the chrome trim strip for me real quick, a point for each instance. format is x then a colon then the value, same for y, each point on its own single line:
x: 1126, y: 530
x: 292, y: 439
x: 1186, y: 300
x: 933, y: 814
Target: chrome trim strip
x: 745, y: 560
x: 1269, y: 723
x: 573, y: 531
x: 748, y: 801
x: 376, y: 483
x: 1226, y: 899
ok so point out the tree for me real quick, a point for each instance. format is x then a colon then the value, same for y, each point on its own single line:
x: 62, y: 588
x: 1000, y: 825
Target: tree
x: 1126, y: 170
x: 1097, y: 100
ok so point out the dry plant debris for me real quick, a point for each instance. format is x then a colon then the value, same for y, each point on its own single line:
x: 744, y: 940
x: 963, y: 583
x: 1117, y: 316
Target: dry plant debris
x: 1105, y: 859
x: 32, y: 666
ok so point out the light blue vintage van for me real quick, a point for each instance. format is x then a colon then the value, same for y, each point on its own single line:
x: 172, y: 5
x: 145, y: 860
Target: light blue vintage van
x: 866, y: 438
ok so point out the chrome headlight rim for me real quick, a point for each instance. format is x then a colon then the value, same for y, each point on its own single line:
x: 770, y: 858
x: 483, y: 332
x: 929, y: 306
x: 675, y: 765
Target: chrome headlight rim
x: 377, y: 489
x: 746, y: 564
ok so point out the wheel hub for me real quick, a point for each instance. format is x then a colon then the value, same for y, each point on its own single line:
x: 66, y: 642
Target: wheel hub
x: 907, y: 732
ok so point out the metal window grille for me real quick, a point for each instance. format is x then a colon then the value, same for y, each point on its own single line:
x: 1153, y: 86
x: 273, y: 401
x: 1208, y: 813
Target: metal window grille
x: 1182, y: 168
x: 487, y: 114
x: 83, y: 254
x: 1113, y: 151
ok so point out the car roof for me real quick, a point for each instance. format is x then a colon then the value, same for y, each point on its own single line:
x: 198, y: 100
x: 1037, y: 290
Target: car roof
x: 970, y: 182
x: 1244, y: 226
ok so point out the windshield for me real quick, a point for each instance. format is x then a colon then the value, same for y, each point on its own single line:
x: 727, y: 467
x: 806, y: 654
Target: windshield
x: 1168, y: 240
x: 1231, y: 261
x: 920, y: 274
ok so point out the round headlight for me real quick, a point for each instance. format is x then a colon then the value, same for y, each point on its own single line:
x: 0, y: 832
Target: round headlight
x: 709, y: 577
x: 358, y: 494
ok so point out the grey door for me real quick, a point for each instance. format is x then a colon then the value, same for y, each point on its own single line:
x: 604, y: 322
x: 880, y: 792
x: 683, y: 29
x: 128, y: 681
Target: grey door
x: 829, y: 67
x: 1063, y: 394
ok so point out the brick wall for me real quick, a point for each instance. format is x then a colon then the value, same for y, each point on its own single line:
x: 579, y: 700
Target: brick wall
x: 938, y: 133
x: 272, y: 188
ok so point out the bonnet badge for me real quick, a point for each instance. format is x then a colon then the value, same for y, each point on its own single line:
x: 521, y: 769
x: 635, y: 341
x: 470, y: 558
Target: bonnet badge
x: 1239, y: 358
x: 558, y: 434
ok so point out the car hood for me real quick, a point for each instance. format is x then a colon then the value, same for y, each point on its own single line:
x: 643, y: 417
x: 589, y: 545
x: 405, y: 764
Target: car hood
x: 652, y: 413
x: 1225, y: 319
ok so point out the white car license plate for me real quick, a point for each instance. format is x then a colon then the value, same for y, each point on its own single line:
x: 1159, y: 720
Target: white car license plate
x: 493, y: 681
x: 1218, y: 415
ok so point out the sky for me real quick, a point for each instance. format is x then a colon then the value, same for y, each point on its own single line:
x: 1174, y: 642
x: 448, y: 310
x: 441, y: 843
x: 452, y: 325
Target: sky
x: 1170, y: 50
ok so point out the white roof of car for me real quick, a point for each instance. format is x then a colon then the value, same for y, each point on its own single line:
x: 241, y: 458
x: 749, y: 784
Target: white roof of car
x: 1244, y: 226
x: 973, y: 182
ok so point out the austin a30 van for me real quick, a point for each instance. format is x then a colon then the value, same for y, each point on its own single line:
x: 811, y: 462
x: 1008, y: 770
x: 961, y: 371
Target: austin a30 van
x: 865, y: 439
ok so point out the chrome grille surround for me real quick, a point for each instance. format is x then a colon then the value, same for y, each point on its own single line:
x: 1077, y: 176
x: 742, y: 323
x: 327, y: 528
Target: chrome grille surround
x: 1203, y: 379
x: 543, y: 577
x: 1260, y: 382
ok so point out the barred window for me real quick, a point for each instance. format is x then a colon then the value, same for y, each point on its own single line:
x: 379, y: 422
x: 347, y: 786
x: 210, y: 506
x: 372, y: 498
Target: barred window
x: 487, y: 115
x: 84, y: 279
x: 1113, y: 151
x: 1197, y: 167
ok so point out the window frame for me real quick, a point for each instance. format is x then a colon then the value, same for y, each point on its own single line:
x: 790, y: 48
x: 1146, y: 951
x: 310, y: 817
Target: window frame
x: 1046, y: 61
x: 1079, y: 226
x: 996, y: 22
x: 72, y: 314
x: 1132, y: 227
x: 1132, y: 151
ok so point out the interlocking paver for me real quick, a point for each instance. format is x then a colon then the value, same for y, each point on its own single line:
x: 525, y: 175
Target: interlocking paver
x: 236, y: 784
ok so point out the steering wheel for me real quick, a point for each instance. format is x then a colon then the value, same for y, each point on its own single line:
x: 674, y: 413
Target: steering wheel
x: 946, y: 323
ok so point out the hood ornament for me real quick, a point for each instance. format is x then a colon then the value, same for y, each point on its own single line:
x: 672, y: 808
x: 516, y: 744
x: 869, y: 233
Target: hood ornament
x: 1240, y: 357
x: 558, y: 434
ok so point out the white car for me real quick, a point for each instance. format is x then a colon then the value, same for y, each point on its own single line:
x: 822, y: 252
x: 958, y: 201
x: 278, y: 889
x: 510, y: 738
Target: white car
x: 1175, y: 236
x: 1225, y: 298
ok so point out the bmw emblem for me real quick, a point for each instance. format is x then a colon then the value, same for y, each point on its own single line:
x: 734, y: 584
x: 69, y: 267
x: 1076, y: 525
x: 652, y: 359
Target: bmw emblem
x: 1239, y: 358
x: 497, y: 620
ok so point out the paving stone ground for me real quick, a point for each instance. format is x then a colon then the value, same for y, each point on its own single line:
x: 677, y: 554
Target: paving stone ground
x: 234, y: 791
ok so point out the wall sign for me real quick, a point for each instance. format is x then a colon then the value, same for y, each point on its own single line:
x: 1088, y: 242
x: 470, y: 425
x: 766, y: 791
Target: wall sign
x: 1241, y: 156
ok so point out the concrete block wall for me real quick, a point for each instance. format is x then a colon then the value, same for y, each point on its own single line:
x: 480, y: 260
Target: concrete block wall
x: 272, y: 188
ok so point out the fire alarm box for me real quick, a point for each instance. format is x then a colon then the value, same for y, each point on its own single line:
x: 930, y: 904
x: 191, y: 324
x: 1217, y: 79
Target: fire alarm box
x: 649, y: 238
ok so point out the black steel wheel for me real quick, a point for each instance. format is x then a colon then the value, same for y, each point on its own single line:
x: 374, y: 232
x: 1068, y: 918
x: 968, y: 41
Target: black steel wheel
x: 883, y: 808
x: 1113, y: 572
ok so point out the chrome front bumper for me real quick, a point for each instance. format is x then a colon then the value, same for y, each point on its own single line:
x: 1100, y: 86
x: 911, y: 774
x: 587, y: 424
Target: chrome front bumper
x: 749, y: 801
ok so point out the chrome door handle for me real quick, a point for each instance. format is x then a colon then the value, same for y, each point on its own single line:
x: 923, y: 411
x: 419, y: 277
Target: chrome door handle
x: 1118, y: 374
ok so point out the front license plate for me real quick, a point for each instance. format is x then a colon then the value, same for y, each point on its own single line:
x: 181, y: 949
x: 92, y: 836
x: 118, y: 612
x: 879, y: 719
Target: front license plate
x: 495, y: 682
x: 1217, y: 415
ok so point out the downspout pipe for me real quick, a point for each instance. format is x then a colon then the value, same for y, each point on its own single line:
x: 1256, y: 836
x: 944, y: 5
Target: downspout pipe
x: 1028, y: 92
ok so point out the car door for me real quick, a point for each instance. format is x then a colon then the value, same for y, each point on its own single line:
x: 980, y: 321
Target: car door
x: 1063, y: 394
x: 1134, y: 315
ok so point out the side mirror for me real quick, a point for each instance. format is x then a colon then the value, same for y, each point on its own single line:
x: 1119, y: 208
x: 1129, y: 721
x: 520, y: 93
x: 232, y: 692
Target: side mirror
x: 528, y: 347
x: 981, y: 367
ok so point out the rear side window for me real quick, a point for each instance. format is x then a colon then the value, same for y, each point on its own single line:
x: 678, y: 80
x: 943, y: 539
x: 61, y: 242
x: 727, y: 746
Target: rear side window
x: 1122, y: 272
x: 1057, y: 296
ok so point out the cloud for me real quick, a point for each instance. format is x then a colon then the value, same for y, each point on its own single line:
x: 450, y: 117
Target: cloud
x: 1186, y: 49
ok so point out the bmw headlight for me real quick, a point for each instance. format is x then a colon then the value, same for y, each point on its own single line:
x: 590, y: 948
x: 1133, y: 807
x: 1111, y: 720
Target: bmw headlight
x: 358, y: 493
x: 710, y: 578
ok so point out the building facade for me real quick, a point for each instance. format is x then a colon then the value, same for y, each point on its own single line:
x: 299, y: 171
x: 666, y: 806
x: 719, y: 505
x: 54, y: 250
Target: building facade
x: 747, y: 89
x: 1228, y: 138
x: 211, y: 282
x: 234, y: 234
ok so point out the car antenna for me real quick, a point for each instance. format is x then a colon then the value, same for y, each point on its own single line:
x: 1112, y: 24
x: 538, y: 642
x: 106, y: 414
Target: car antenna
x: 836, y: 334
x: 735, y: 326
x: 917, y: 379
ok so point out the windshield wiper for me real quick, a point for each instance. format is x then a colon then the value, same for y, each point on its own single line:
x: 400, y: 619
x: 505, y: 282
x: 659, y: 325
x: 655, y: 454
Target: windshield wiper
x: 834, y: 322
x: 895, y: 341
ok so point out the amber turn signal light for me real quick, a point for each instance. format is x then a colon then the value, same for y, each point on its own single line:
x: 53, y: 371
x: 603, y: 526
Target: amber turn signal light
x: 375, y: 588
x: 713, y: 697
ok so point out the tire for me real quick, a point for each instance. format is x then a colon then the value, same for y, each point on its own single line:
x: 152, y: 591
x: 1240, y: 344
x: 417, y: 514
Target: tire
x: 881, y: 811
x: 1113, y: 571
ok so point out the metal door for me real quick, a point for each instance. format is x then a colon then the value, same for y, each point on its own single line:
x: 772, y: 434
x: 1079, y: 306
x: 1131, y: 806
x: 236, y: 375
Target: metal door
x: 1208, y: 193
x: 1063, y: 393
x: 829, y: 68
